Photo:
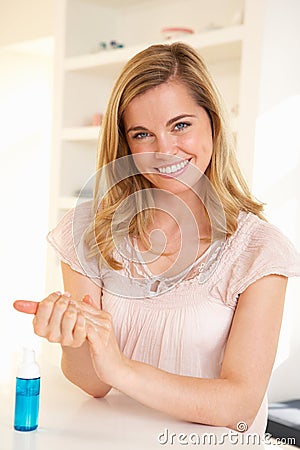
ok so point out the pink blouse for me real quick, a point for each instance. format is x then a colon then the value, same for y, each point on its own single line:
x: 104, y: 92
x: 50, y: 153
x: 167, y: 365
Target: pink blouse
x: 180, y: 326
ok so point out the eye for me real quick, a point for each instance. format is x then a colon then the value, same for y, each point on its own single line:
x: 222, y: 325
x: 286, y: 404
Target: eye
x: 181, y: 125
x: 141, y: 135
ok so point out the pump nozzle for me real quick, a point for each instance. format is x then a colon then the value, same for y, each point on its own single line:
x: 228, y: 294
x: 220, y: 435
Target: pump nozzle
x: 28, y: 367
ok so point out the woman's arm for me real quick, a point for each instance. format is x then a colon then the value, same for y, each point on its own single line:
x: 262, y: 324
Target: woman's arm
x: 248, y: 360
x: 64, y: 319
x: 76, y: 363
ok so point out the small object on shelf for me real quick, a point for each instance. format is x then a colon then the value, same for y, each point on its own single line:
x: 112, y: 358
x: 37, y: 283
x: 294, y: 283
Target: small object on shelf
x: 176, y: 32
x: 102, y: 46
x: 97, y: 119
x: 115, y: 44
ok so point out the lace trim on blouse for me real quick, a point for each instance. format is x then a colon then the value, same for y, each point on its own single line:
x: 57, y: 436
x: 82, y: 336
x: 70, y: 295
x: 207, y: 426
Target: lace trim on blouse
x: 139, y: 273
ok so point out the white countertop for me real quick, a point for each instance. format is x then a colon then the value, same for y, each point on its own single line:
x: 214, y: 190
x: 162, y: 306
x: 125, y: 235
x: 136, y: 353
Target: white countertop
x: 71, y: 420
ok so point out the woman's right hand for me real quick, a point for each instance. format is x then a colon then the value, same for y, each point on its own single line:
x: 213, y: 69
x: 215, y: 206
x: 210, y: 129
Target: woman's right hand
x: 57, y: 318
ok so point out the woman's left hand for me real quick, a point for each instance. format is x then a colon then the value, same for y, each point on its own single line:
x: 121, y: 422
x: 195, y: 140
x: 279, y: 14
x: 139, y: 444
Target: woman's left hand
x: 109, y: 362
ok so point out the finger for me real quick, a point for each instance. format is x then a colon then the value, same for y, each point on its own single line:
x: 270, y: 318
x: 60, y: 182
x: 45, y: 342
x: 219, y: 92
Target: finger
x: 85, y: 307
x: 79, y: 333
x: 55, y: 320
x: 90, y: 301
x: 93, y: 339
x: 43, y: 314
x: 68, y: 322
x: 87, y: 299
x: 102, y: 319
x: 26, y: 306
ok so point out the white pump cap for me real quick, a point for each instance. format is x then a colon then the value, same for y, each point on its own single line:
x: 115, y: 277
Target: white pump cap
x: 28, y: 368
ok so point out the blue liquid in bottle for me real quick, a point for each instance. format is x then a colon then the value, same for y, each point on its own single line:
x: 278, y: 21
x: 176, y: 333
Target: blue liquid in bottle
x: 27, y: 393
x: 27, y: 404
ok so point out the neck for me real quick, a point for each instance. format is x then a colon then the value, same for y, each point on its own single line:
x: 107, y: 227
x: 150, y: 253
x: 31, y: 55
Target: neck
x: 182, y: 211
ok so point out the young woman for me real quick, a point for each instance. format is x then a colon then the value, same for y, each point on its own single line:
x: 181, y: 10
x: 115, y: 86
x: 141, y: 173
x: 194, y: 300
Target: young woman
x: 175, y: 282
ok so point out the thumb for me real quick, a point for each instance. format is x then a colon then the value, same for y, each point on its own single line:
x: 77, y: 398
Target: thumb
x: 26, y: 306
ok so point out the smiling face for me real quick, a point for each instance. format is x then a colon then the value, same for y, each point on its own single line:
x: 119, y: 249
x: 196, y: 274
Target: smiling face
x: 170, y: 136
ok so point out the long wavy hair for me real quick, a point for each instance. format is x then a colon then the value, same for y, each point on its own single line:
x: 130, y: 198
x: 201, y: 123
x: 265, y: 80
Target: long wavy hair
x: 146, y: 70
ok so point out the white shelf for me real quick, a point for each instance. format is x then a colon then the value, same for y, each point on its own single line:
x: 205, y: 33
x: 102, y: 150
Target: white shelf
x: 205, y: 40
x: 81, y: 133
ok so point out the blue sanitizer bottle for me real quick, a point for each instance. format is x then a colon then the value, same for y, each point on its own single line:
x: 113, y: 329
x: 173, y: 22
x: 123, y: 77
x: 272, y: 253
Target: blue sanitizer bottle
x: 27, y: 393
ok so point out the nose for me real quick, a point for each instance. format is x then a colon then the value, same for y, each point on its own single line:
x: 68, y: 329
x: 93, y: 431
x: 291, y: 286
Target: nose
x: 165, y: 146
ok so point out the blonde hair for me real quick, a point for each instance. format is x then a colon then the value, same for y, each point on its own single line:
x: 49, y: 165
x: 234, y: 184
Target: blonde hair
x: 150, y: 68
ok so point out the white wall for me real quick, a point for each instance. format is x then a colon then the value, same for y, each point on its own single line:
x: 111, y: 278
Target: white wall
x: 277, y: 166
x: 25, y: 20
x: 26, y: 51
x: 25, y: 118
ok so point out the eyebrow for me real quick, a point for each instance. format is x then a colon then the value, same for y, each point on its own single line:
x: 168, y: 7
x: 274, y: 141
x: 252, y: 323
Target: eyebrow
x: 170, y: 122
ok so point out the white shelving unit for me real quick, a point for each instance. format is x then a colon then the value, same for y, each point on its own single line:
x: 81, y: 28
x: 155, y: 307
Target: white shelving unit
x: 226, y: 35
x: 207, y: 40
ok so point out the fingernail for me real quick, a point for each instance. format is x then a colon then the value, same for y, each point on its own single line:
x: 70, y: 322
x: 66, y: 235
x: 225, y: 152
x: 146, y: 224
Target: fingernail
x: 58, y: 293
x: 67, y: 294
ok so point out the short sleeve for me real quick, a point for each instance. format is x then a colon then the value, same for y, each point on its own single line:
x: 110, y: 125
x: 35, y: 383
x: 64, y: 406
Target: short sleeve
x: 267, y: 251
x: 68, y: 240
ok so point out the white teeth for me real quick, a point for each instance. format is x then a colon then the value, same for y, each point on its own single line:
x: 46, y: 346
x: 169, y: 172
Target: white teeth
x: 174, y: 168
